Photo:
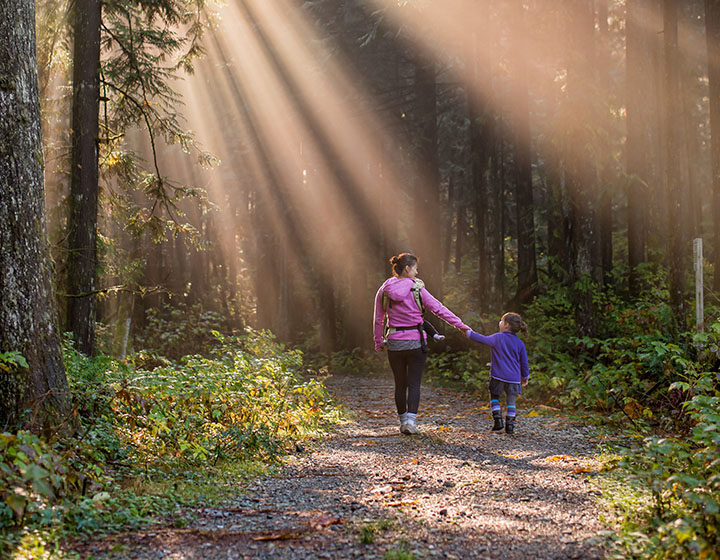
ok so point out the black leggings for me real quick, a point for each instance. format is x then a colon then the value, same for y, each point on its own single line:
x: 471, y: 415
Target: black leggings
x: 407, y: 367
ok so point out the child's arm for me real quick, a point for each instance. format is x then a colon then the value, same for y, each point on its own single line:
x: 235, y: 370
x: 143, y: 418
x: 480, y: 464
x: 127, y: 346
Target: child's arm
x: 524, y: 367
x: 481, y: 338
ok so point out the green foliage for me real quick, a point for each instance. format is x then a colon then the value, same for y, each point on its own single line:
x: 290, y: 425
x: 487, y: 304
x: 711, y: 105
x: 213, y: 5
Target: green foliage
x: 179, y: 330
x: 470, y: 368
x: 401, y: 551
x: 11, y: 360
x: 147, y: 438
x: 682, y: 477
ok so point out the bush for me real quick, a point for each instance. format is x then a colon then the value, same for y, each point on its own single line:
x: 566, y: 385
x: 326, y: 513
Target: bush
x: 160, y: 427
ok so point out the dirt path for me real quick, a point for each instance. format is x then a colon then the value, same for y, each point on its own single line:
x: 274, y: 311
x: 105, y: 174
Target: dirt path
x: 455, y: 491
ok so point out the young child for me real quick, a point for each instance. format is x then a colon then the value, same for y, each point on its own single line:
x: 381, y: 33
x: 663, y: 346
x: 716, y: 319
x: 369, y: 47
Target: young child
x: 509, y: 370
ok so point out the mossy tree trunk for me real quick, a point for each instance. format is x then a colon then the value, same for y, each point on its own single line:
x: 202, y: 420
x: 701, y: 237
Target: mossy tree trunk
x: 27, y: 312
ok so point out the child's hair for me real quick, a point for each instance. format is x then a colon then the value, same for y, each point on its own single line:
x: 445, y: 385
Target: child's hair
x: 515, y: 322
x: 401, y: 261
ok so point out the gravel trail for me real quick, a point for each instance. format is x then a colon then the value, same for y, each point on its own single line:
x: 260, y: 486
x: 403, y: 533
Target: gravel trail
x: 367, y: 491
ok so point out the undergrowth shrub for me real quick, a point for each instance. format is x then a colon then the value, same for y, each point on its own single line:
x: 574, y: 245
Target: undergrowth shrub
x: 681, y: 474
x: 177, y: 330
x: 139, y: 429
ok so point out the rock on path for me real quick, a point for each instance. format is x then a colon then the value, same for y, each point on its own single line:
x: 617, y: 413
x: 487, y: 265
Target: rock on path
x: 367, y: 491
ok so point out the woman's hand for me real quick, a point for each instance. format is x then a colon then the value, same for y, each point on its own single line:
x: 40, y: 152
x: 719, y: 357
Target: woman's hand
x: 524, y: 382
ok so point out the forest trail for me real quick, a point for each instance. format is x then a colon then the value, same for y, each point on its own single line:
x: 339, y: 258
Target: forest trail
x: 455, y: 491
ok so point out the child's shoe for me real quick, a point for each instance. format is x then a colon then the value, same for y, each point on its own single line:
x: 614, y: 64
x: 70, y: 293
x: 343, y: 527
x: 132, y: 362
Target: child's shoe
x: 439, y: 337
x: 498, y: 422
x: 510, y: 425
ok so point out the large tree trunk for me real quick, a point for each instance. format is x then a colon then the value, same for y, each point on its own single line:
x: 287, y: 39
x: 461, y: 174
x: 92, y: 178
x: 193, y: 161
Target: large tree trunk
x: 82, y: 238
x: 672, y: 165
x: 712, y: 26
x: 27, y: 309
x: 524, y: 206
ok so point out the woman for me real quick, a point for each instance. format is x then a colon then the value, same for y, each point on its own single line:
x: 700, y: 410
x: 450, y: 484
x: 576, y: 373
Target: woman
x: 398, y: 324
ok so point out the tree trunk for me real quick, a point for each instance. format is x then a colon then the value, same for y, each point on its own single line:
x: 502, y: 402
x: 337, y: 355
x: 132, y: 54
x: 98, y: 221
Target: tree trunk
x: 672, y: 165
x: 712, y: 27
x: 27, y: 309
x: 637, y: 162
x: 426, y: 226
x: 524, y: 206
x: 580, y: 171
x: 83, y: 199
x: 606, y: 173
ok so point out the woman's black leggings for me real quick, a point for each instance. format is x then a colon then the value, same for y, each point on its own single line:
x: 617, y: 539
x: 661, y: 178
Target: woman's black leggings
x: 407, y: 367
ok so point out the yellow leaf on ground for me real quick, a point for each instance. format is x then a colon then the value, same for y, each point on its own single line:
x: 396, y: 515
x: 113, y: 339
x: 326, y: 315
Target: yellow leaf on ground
x: 560, y: 458
x: 533, y: 414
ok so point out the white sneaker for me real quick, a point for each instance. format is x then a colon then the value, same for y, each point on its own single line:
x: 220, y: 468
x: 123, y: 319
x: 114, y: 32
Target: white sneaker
x: 404, y: 428
x: 411, y: 428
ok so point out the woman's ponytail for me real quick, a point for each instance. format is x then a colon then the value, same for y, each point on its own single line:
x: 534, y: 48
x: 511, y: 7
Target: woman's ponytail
x: 401, y: 261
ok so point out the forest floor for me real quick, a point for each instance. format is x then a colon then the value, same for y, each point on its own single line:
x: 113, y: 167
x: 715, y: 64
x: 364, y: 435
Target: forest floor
x: 366, y: 491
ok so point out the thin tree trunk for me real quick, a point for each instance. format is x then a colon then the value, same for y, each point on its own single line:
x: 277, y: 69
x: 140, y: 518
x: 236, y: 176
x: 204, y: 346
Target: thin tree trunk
x: 28, y: 322
x: 524, y: 206
x: 672, y: 165
x: 712, y: 27
x: 426, y: 227
x: 605, y: 175
x: 580, y: 174
x: 83, y: 199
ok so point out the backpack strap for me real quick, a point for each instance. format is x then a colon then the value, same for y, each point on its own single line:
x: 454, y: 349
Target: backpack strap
x: 418, y: 285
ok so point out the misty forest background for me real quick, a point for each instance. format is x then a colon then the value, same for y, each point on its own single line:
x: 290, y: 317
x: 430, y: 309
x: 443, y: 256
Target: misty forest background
x: 222, y: 186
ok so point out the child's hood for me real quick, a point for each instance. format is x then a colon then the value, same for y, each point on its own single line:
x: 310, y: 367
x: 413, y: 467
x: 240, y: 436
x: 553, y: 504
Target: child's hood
x: 398, y: 288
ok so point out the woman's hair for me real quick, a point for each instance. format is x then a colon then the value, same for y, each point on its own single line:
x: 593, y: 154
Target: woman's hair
x: 401, y: 261
x: 515, y: 322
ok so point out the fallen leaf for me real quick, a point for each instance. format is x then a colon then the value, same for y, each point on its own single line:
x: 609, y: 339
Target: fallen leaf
x: 325, y: 521
x: 277, y: 537
x: 402, y: 503
x: 533, y: 414
x: 560, y: 458
x: 581, y: 470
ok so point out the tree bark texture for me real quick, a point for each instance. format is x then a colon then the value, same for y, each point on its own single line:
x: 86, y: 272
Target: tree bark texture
x: 27, y: 310
x: 712, y: 23
x: 83, y: 199
x: 672, y: 164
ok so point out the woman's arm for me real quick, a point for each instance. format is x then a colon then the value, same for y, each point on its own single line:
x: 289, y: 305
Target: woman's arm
x: 441, y: 311
x: 378, y: 317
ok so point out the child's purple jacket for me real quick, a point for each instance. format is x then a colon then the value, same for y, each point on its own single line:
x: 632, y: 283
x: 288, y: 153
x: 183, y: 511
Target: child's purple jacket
x: 404, y: 312
x: 509, y: 361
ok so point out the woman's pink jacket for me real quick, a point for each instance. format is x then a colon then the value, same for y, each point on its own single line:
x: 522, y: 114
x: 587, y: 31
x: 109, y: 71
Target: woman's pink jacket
x: 404, y: 312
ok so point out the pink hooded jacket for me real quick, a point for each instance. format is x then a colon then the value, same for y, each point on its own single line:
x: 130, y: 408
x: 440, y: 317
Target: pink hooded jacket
x: 404, y: 312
